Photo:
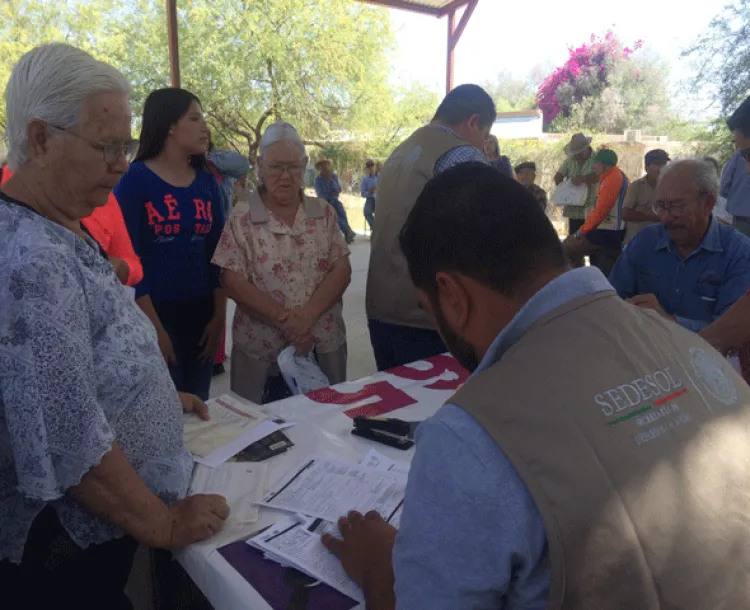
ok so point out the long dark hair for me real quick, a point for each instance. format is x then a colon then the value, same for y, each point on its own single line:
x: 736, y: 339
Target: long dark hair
x: 163, y: 108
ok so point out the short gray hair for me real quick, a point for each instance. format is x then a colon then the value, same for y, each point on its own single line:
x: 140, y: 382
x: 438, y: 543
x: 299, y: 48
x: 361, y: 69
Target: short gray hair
x: 51, y: 83
x: 281, y: 132
x: 704, y: 173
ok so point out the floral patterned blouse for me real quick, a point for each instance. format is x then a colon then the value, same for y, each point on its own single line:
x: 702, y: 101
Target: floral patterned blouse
x: 80, y: 368
x: 286, y: 262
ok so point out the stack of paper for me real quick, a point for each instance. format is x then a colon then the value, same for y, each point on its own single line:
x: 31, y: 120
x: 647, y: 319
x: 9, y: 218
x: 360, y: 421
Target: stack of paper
x: 241, y: 483
x: 317, y: 493
x: 296, y: 543
x: 232, y: 427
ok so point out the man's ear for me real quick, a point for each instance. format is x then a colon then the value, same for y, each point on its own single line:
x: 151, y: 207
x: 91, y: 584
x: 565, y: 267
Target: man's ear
x: 473, y: 123
x: 453, y: 299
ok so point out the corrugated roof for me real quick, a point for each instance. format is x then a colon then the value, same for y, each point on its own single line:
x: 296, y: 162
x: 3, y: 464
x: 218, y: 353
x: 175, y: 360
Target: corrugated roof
x: 430, y: 7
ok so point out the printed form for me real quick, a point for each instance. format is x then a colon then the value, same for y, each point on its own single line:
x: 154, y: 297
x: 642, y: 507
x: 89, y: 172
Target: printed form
x: 241, y: 483
x: 294, y: 543
x: 326, y: 488
x: 232, y: 427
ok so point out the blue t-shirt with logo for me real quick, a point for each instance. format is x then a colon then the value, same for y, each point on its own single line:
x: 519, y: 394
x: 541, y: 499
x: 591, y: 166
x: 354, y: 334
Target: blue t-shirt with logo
x: 174, y: 231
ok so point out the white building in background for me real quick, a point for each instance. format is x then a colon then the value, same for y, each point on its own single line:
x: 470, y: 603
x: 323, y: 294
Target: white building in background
x: 521, y: 124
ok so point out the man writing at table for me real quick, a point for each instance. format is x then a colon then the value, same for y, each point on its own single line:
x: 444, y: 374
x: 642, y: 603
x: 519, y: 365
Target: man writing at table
x: 689, y: 267
x: 541, y: 485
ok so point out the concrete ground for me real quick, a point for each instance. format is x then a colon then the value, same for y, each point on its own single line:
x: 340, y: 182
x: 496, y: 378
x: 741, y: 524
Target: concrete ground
x: 361, y: 361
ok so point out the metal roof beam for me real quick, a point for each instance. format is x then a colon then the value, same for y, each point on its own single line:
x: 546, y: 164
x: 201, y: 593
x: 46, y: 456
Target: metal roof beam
x: 409, y: 6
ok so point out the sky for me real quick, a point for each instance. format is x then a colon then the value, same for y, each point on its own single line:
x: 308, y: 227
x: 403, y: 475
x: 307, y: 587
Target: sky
x: 517, y: 36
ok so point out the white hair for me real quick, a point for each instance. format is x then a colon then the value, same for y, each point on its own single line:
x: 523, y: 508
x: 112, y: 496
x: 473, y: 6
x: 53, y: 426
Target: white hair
x: 51, y: 83
x: 281, y: 132
x: 703, y: 172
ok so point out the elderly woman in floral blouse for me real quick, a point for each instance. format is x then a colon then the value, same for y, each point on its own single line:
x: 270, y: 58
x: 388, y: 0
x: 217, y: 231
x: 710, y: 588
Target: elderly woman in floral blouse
x: 92, y: 458
x: 286, y: 264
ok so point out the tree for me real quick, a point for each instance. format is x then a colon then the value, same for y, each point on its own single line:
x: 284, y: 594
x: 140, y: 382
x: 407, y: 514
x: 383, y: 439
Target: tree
x: 605, y: 86
x: 319, y: 64
x: 510, y: 93
x: 722, y: 56
x: 634, y: 95
x: 25, y: 24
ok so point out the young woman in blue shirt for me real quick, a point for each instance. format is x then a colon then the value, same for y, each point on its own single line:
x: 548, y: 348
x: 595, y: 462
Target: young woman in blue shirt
x: 172, y: 208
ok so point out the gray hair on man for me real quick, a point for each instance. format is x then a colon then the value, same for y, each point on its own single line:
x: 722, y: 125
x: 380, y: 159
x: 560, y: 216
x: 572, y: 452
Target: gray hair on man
x: 281, y: 132
x: 703, y: 172
x: 51, y: 83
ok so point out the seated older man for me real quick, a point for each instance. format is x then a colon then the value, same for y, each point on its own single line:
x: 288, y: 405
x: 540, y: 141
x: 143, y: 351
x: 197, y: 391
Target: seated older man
x: 688, y: 267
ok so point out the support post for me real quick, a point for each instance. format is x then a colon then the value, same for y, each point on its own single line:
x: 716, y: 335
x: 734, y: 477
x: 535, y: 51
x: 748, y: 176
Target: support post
x: 454, y: 35
x: 174, y: 49
x: 449, y: 66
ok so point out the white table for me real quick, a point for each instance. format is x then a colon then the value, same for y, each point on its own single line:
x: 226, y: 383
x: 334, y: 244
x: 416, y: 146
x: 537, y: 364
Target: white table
x: 324, y: 429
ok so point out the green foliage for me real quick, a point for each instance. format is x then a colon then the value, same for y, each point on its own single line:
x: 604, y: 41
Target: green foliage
x: 510, y: 93
x: 636, y: 96
x: 319, y: 64
x: 721, y: 56
x: 26, y: 23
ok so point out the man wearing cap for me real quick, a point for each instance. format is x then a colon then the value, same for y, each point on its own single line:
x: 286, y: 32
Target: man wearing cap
x: 602, y: 233
x: 638, y: 207
x: 526, y: 175
x: 368, y: 188
x: 327, y: 187
x: 579, y: 169
x: 689, y: 268
x: 401, y: 331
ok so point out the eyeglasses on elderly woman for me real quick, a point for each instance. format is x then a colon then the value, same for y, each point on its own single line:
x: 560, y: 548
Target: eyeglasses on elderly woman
x: 111, y: 151
x: 276, y: 169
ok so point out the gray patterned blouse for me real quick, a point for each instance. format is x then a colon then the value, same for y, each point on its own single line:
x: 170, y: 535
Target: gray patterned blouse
x: 80, y: 368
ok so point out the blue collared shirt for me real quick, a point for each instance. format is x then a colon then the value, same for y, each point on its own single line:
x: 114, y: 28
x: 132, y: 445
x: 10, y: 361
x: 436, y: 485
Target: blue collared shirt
x: 327, y: 188
x: 471, y: 536
x: 735, y: 186
x: 368, y: 183
x: 696, y: 290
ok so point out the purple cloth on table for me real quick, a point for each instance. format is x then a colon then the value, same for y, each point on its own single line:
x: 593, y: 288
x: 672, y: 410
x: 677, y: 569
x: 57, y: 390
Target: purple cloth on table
x: 272, y: 581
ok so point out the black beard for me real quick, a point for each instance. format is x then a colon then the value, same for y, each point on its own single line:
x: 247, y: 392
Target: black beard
x: 461, y: 350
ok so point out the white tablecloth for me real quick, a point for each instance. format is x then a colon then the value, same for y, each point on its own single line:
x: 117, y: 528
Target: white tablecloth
x: 411, y: 393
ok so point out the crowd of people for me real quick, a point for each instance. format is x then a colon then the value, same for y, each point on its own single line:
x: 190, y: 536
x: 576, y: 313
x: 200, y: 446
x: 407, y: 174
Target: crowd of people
x: 597, y: 457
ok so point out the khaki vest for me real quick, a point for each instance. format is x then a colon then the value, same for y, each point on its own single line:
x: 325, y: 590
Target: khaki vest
x: 391, y: 296
x: 633, y: 437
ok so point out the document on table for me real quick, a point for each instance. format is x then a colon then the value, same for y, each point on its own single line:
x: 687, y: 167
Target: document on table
x: 378, y: 461
x: 375, y: 459
x: 291, y: 542
x: 241, y: 483
x: 326, y: 488
x: 232, y: 427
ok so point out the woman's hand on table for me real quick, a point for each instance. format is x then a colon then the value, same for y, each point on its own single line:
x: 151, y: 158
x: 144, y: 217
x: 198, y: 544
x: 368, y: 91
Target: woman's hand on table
x: 211, y: 338
x: 194, y: 519
x: 192, y: 404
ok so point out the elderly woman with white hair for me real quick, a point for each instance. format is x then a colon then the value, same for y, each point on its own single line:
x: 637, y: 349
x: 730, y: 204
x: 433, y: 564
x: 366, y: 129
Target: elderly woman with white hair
x: 286, y: 264
x: 92, y: 458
